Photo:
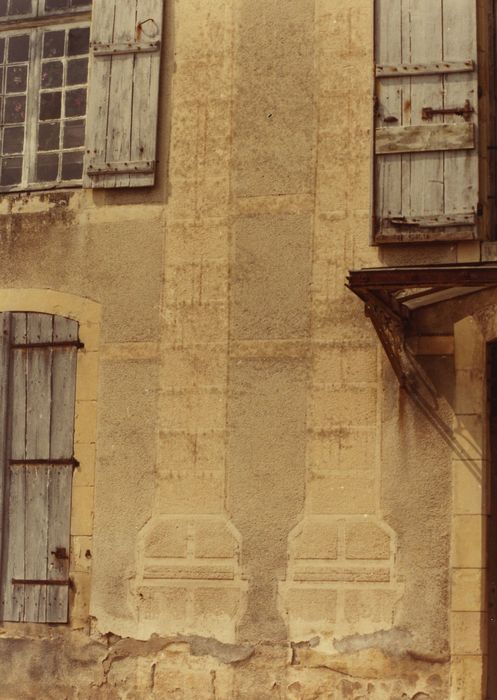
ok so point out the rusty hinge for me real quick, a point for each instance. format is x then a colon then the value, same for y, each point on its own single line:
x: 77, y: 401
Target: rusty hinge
x: 428, y: 113
x: 60, y: 553
x: 45, y: 462
x: 49, y: 344
x: 40, y: 582
x: 100, y: 49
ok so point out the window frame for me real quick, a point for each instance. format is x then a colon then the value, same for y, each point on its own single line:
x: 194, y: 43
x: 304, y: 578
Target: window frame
x: 39, y: 12
x: 35, y: 25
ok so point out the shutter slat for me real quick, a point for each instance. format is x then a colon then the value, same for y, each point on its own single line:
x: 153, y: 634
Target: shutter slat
x: 426, y: 138
x: 59, y: 508
x: 403, y: 69
x: 14, y: 542
x: 461, y: 173
x: 388, y: 171
x: 426, y: 58
x: 146, y: 95
x: 98, y: 88
x: 61, y: 447
x: 123, y: 93
x: 38, y: 402
x: 423, y: 40
x: 5, y: 329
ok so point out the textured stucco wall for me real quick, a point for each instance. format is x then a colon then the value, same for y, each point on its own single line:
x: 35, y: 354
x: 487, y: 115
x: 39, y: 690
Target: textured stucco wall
x: 271, y: 515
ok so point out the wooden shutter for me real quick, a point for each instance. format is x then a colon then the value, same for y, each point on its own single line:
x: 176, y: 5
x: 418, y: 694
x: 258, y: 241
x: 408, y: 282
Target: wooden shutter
x: 123, y: 93
x: 38, y: 354
x: 426, y: 121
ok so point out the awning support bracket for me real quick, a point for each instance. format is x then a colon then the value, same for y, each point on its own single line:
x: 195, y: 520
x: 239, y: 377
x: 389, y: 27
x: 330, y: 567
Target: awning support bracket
x: 391, y: 330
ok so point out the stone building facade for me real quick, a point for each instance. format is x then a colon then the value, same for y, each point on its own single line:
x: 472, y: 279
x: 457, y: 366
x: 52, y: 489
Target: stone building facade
x: 260, y: 510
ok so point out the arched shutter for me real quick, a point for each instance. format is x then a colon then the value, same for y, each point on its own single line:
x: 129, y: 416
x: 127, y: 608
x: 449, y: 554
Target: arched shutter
x: 38, y: 353
x: 123, y: 93
x: 426, y: 121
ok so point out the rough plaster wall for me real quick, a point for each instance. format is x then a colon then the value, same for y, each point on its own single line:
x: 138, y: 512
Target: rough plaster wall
x: 270, y: 275
x: 416, y: 497
x: 271, y: 417
x: 266, y: 461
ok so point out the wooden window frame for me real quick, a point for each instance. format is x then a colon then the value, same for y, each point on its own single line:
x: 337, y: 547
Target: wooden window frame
x: 35, y: 25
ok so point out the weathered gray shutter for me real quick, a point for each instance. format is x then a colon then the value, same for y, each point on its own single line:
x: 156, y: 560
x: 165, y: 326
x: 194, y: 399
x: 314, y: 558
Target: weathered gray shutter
x: 123, y: 93
x: 38, y: 354
x: 426, y: 120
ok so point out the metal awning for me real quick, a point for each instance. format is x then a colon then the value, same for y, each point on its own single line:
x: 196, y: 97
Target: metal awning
x: 391, y: 294
x: 408, y: 288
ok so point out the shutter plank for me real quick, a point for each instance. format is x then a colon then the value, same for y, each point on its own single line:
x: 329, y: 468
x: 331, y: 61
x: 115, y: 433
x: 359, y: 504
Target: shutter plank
x: 38, y: 403
x: 61, y: 447
x: 461, y: 169
x: 102, y: 31
x: 59, y: 508
x: 440, y: 68
x: 425, y: 44
x: 121, y: 83
x: 121, y: 150
x: 426, y: 138
x: 390, y: 97
x: 145, y: 102
x: 14, y: 567
x: 5, y: 330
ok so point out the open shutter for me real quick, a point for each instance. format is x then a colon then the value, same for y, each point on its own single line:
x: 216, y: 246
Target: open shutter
x: 426, y: 121
x: 123, y: 93
x: 37, y: 437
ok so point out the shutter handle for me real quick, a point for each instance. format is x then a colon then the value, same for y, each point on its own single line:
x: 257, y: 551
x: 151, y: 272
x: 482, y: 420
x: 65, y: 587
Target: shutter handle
x: 60, y: 553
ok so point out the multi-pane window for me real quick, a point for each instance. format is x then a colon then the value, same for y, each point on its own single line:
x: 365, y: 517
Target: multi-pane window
x: 43, y: 94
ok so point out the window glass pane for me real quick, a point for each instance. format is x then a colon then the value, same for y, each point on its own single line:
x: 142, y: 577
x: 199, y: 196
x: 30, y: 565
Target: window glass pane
x: 51, y: 74
x: 3, y: 8
x: 49, y: 137
x: 53, y: 44
x: 76, y: 103
x: 72, y: 165
x: 11, y: 171
x: 18, y: 48
x: 17, y: 78
x: 56, y: 5
x: 20, y: 7
x: 2, y: 50
x: 50, y: 105
x: 77, y: 71
x: 61, y: 5
x: 74, y: 134
x: 15, y: 109
x: 79, y: 41
x: 13, y: 139
x: 47, y: 167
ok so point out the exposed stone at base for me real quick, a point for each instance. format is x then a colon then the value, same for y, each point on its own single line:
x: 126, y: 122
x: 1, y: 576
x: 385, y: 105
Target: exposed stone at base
x: 68, y: 666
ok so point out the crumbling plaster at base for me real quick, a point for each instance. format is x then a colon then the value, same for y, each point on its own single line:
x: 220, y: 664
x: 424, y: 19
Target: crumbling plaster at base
x: 200, y: 668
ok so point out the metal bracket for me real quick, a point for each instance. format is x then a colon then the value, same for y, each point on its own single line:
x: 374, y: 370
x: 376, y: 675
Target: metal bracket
x: 40, y: 582
x: 391, y: 329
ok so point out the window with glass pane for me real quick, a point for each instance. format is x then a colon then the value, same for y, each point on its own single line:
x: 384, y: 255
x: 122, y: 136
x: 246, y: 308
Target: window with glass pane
x: 43, y: 84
